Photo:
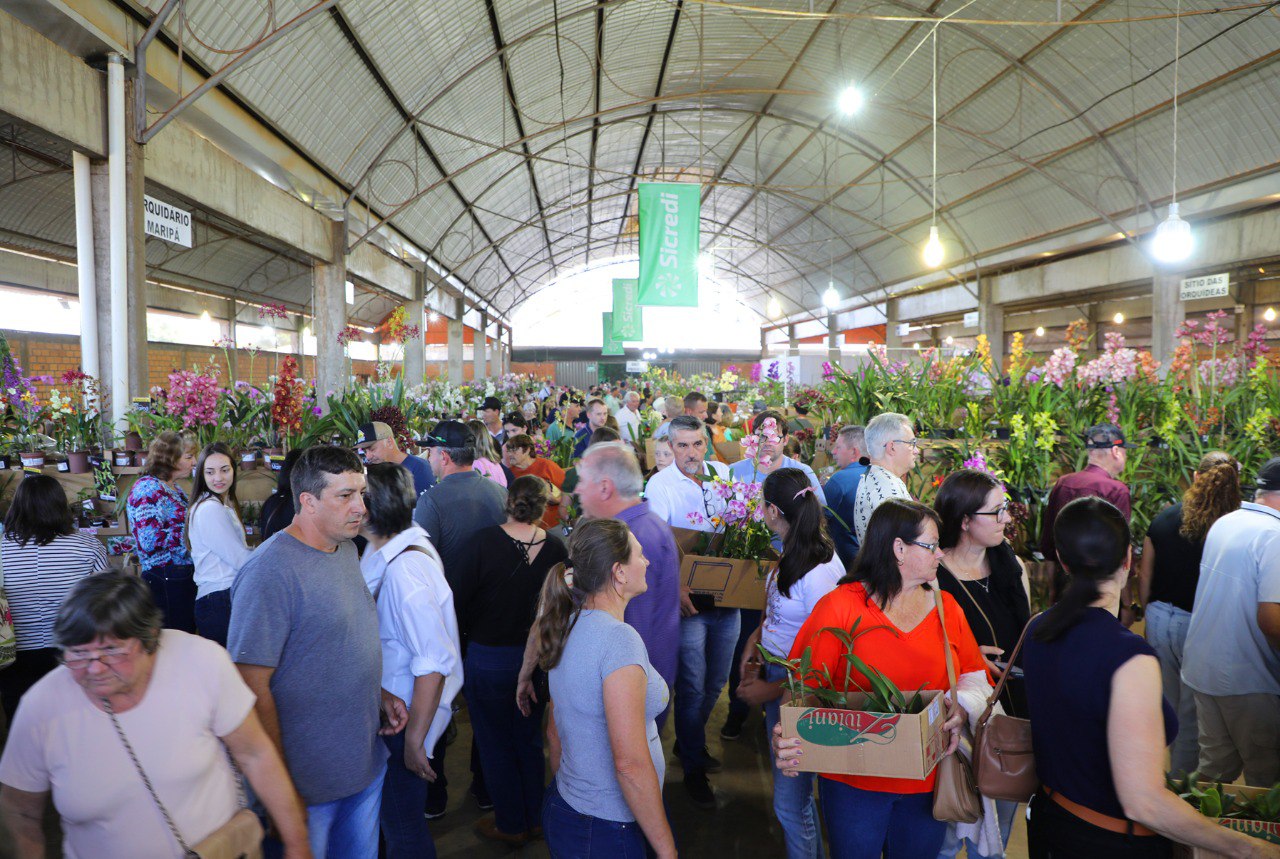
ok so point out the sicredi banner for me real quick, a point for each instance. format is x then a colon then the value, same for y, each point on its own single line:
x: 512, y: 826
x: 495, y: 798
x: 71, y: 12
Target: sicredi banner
x: 1208, y: 286
x: 669, y: 227
x: 627, y: 321
x: 166, y: 222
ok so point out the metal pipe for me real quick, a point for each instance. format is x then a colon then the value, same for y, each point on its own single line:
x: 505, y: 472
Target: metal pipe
x: 117, y: 203
x: 86, y: 274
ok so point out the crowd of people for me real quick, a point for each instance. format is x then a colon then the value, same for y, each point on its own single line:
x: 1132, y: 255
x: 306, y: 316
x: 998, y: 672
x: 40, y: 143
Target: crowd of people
x: 328, y: 664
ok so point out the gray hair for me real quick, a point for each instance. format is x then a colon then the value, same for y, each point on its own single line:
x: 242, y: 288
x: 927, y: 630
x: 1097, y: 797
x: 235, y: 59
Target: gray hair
x: 883, y: 429
x: 390, y: 498
x: 629, y: 396
x: 684, y: 422
x: 112, y: 604
x: 854, y: 435
x: 614, y: 461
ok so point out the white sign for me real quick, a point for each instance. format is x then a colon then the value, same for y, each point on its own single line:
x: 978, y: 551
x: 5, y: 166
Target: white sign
x: 903, y: 329
x: 637, y: 366
x: 972, y: 319
x: 1209, y: 286
x: 166, y: 222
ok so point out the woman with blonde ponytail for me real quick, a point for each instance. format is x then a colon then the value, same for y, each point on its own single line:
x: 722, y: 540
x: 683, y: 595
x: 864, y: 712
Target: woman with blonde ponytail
x: 1168, y: 573
x: 605, y: 797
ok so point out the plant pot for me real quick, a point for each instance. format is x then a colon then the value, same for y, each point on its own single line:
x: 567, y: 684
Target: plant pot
x: 132, y: 441
x: 275, y: 461
x: 4, y: 462
x: 32, y: 458
x: 78, y: 462
x: 1001, y: 433
x: 122, y: 458
x: 248, y: 459
x: 941, y: 433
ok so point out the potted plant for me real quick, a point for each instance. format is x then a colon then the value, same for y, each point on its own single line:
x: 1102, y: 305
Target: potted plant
x: 76, y: 421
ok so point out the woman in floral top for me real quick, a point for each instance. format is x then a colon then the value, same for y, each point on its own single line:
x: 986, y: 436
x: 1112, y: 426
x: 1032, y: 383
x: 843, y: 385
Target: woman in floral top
x: 157, y: 510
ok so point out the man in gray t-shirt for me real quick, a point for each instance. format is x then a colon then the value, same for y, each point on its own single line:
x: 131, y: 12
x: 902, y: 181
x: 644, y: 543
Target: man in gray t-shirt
x: 304, y: 634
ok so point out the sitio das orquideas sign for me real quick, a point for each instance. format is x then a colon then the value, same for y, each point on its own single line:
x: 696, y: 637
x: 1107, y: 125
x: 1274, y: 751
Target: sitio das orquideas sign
x: 166, y: 222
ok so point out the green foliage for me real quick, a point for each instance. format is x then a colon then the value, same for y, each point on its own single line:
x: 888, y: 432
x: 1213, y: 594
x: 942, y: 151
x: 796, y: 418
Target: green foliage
x: 1217, y: 800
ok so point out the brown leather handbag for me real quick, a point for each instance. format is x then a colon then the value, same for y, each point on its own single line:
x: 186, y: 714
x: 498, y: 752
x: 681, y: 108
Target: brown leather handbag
x: 956, y: 798
x: 1004, y: 766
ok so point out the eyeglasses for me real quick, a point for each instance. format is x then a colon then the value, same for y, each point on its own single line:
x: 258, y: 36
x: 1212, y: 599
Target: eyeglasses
x: 76, y: 660
x: 1000, y: 512
x: 930, y: 547
x: 913, y: 442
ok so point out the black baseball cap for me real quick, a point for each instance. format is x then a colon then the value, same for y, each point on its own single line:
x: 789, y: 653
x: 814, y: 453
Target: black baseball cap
x: 1268, y: 478
x: 491, y: 403
x: 1105, y: 437
x: 449, y: 434
x: 371, y: 433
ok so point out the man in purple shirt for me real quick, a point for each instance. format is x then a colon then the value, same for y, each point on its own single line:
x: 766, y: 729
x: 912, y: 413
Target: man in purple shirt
x: 609, y: 484
x: 1100, y: 479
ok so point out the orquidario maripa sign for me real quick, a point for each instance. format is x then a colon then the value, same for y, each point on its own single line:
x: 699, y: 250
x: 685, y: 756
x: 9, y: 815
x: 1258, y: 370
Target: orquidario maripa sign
x: 669, y: 228
x: 166, y: 222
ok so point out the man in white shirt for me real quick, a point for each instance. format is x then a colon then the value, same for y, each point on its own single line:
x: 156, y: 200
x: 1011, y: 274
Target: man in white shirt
x: 629, y: 418
x: 893, y: 449
x: 682, y: 495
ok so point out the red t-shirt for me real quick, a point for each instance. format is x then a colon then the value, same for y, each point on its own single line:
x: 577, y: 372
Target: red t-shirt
x: 553, y: 474
x: 910, y: 659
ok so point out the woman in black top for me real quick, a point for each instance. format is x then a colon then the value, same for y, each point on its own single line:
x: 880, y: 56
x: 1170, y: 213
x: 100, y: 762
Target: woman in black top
x: 496, y: 599
x: 277, y: 511
x: 981, y: 571
x: 1168, y: 573
x: 1098, y: 722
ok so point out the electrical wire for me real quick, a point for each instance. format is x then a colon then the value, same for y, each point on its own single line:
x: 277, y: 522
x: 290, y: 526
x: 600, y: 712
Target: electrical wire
x: 1177, y: 49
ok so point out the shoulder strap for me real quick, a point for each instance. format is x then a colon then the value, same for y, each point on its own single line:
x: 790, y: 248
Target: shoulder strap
x: 187, y: 852
x: 413, y: 547
x: 946, y: 641
x: 995, y: 695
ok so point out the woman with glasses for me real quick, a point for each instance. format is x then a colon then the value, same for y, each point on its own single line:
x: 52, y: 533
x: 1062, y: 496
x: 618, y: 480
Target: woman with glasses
x: 986, y: 578
x: 131, y: 698
x: 888, y: 593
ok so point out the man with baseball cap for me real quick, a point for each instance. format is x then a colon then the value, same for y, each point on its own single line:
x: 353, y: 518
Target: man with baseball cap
x: 1231, y: 659
x: 377, y: 442
x: 1100, y: 478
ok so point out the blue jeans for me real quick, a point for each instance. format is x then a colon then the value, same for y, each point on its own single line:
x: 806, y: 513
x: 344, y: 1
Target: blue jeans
x: 573, y: 835
x: 1005, y: 813
x: 347, y: 828
x: 750, y: 620
x: 510, y: 744
x: 213, y: 615
x: 706, y: 649
x: 1167, y: 633
x: 173, y: 587
x: 863, y: 824
x: 793, y: 803
x: 404, y: 829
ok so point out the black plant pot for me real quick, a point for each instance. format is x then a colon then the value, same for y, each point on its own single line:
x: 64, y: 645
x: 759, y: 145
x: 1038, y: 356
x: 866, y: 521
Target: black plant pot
x: 1001, y: 433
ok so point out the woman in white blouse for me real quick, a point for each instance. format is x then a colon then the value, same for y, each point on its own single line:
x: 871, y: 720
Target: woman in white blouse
x: 216, y: 537
x: 807, y: 571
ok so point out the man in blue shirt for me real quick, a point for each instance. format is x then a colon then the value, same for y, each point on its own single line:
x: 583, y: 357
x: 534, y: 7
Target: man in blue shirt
x: 597, y: 414
x: 377, y: 442
x: 849, y: 451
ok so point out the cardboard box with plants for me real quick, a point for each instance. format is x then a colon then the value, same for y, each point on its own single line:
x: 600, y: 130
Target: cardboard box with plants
x: 732, y: 562
x: 1254, y: 811
x: 852, y: 729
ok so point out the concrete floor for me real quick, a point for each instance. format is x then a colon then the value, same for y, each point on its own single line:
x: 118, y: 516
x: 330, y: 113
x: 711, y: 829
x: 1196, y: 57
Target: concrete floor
x: 742, y: 825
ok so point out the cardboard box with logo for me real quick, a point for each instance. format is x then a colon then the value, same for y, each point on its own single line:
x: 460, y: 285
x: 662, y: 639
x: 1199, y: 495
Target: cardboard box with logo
x: 1266, y: 830
x: 733, y: 583
x: 857, y: 742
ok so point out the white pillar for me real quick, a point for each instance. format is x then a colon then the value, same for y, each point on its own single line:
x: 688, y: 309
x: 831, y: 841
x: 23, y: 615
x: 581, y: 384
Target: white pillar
x: 991, y: 323
x: 456, y: 342
x: 329, y: 300
x: 478, y: 353
x: 892, y: 339
x: 85, y: 266
x: 119, y: 382
x: 495, y: 360
x: 833, y: 342
x: 1167, y: 313
x: 415, y: 355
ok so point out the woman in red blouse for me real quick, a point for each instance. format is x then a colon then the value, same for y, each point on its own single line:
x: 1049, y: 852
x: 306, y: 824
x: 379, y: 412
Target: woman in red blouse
x: 890, y: 590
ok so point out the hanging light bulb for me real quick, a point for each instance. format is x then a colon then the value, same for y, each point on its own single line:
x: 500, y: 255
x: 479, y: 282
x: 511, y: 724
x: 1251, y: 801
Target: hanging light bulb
x: 850, y: 100
x: 306, y: 332
x: 916, y: 345
x: 933, y: 250
x: 1270, y: 314
x: 775, y: 307
x: 1118, y: 319
x: 1039, y: 330
x: 205, y: 317
x: 1172, y: 241
x: 433, y: 317
x: 950, y: 340
x: 830, y: 298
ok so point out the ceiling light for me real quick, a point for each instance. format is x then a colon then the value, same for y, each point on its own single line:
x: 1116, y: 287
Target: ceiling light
x: 830, y: 298
x: 268, y: 331
x: 433, y: 317
x: 205, y: 317
x: 950, y: 340
x: 933, y: 251
x: 850, y: 100
x: 306, y: 331
x: 916, y: 345
x: 1261, y: 270
x: 1172, y: 241
x: 774, y: 308
x: 1270, y: 314
x: 1118, y: 319
x: 1039, y: 330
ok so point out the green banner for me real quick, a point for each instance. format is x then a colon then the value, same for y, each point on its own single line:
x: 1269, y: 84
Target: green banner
x: 628, y: 323
x: 669, y: 243
x: 612, y: 345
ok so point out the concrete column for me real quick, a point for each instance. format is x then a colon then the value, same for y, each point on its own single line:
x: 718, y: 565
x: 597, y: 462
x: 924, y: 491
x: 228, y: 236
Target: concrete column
x: 415, y: 355
x: 496, y: 360
x: 1246, y: 304
x: 506, y: 353
x: 1094, y: 316
x: 478, y: 354
x: 233, y: 354
x: 833, y: 341
x: 1167, y: 313
x: 329, y: 303
x: 764, y: 344
x: 136, y: 255
x: 991, y: 323
x: 793, y: 343
x: 455, y: 342
x: 299, y: 338
x: 85, y: 266
x: 99, y: 191
x: 892, y: 340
